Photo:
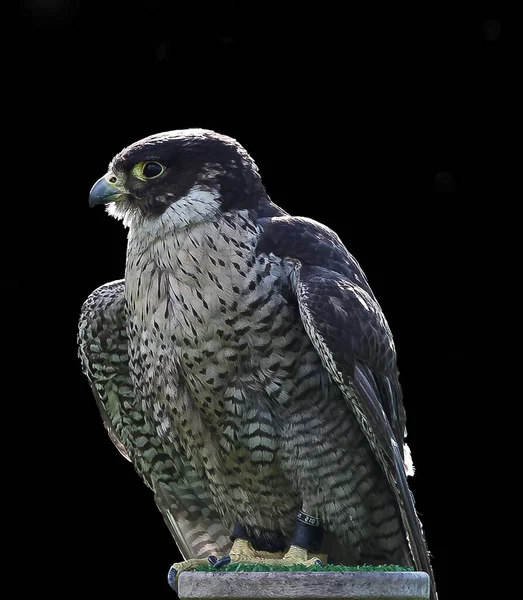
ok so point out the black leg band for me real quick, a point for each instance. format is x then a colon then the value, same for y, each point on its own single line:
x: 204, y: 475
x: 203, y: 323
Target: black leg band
x: 239, y: 532
x: 269, y: 541
x: 308, y: 533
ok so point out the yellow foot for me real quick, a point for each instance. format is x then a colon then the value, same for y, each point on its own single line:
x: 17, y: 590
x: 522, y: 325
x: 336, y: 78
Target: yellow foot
x: 243, y: 551
x: 296, y: 555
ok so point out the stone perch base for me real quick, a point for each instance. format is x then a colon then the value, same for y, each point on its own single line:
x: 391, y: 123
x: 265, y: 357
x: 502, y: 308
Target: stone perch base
x: 353, y: 585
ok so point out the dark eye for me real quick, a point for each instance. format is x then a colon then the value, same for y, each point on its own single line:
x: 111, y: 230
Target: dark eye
x: 152, y: 169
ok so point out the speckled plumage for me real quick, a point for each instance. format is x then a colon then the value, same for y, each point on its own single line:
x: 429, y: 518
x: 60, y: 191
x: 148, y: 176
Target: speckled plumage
x: 244, y: 366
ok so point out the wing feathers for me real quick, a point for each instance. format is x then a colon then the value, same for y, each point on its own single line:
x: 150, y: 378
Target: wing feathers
x: 102, y: 349
x: 188, y: 509
x: 348, y: 329
x: 357, y: 351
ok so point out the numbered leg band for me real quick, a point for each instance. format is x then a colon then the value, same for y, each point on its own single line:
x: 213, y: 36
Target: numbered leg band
x: 308, y: 533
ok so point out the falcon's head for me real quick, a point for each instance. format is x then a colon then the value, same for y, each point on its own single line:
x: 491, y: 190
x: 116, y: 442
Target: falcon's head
x: 178, y: 178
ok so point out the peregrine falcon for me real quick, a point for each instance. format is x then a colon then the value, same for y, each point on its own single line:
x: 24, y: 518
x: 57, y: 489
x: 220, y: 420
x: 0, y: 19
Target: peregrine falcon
x: 245, y: 368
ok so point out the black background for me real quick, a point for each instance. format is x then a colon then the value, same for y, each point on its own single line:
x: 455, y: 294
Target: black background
x: 356, y: 118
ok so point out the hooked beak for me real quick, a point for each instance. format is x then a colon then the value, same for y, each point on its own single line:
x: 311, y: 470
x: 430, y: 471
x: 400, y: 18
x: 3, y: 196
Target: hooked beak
x: 104, y: 192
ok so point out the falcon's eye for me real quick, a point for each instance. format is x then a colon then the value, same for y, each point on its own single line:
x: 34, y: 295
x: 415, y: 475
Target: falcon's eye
x: 147, y: 170
x: 152, y: 169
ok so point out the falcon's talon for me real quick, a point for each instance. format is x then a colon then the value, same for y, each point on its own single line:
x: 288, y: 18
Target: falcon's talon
x: 222, y: 562
x: 178, y: 568
x: 171, y: 577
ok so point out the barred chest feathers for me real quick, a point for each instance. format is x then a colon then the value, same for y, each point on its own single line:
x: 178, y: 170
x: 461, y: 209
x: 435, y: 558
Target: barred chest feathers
x: 191, y: 280
x: 200, y: 300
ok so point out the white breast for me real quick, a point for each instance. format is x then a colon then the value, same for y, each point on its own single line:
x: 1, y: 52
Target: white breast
x: 188, y: 282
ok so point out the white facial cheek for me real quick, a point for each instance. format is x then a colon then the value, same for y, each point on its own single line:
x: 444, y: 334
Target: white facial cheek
x: 197, y: 206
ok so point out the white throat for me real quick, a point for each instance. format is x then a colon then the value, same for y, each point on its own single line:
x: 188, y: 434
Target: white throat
x: 198, y: 205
